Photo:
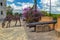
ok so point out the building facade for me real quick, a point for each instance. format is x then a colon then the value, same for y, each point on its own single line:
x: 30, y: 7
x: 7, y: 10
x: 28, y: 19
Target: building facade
x: 2, y: 9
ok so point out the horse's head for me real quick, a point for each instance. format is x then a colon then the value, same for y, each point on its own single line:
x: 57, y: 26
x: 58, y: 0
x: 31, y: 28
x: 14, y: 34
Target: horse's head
x: 3, y: 24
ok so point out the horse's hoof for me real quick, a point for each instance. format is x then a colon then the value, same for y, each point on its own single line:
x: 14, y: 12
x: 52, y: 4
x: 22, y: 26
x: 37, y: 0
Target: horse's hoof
x: 6, y: 27
x: 15, y: 25
x: 9, y: 26
x: 20, y: 25
x: 2, y: 27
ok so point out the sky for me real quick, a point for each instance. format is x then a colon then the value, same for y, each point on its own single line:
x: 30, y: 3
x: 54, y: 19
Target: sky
x: 19, y: 5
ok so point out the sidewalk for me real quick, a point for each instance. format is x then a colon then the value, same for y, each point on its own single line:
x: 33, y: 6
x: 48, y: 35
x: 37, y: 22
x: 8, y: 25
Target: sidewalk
x: 13, y: 33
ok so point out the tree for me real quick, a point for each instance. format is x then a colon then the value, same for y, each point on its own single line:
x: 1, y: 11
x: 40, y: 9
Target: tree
x: 9, y: 10
x: 20, y: 14
x: 45, y: 13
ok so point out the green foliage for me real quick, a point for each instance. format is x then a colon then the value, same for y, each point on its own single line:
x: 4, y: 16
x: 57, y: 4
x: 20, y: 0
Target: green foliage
x: 50, y: 14
x: 54, y: 17
x: 9, y: 10
x: 20, y: 14
x: 16, y: 13
x: 45, y: 13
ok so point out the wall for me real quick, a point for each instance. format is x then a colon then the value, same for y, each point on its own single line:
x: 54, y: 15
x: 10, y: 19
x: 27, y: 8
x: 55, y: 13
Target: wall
x: 3, y: 8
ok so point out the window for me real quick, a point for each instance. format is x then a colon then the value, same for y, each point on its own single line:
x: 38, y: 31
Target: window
x: 1, y: 3
x: 1, y: 12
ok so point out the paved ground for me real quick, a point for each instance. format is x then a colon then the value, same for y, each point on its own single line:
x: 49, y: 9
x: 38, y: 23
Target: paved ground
x: 25, y: 33
x: 50, y: 35
x: 13, y: 33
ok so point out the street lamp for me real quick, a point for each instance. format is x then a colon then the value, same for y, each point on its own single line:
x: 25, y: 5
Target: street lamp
x: 50, y: 9
x: 35, y: 5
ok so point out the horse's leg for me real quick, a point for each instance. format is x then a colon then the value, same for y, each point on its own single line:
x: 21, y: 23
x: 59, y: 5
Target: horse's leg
x: 20, y: 22
x: 9, y: 23
x: 16, y: 23
x: 3, y: 24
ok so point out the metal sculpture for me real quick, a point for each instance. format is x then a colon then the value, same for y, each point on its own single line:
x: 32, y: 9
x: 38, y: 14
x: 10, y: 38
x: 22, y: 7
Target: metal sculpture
x: 9, y: 18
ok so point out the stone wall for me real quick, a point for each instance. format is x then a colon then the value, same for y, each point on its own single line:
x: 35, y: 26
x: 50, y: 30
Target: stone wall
x: 47, y: 18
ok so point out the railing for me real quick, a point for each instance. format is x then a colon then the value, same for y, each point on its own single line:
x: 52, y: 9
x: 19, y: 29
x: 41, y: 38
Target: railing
x: 39, y: 23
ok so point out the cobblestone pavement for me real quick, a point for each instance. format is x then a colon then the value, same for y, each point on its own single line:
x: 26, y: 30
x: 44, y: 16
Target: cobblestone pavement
x: 13, y: 33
